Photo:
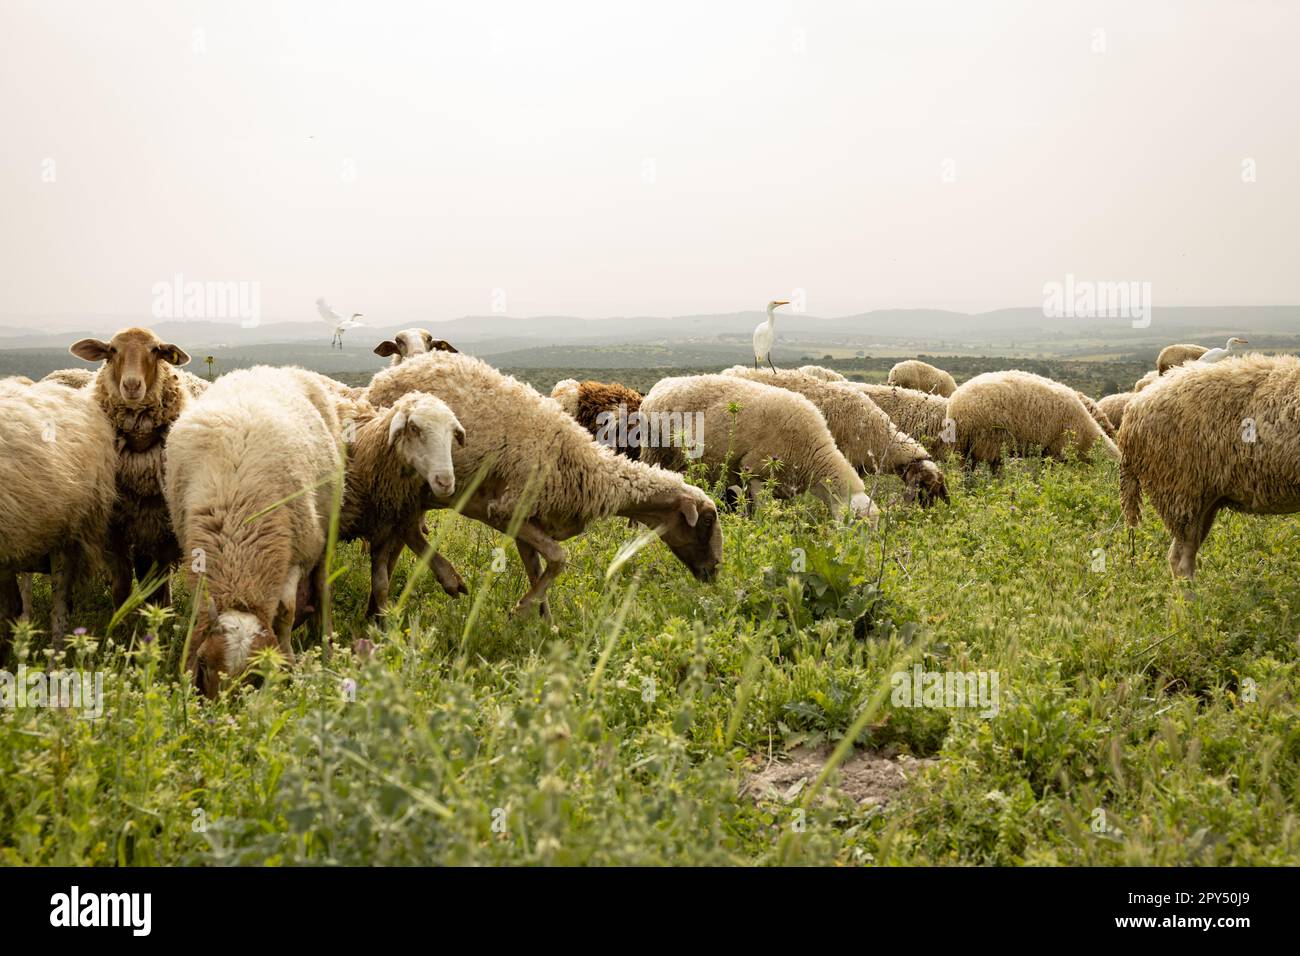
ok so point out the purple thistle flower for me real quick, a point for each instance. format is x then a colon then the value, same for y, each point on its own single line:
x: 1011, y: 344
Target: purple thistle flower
x: 79, y: 631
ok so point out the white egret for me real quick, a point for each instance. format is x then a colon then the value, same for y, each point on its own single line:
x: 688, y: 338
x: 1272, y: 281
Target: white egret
x: 765, y: 335
x: 341, y: 324
x: 1214, y: 355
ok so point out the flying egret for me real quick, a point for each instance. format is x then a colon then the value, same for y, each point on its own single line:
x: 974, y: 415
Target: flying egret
x: 1214, y: 355
x: 765, y: 335
x: 341, y: 324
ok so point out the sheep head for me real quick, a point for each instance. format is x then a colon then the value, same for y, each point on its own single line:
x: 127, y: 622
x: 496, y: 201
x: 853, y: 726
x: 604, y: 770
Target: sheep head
x: 222, y: 645
x: 131, y: 360
x: 411, y: 342
x: 687, y: 521
x: 924, y: 481
x: 421, y: 432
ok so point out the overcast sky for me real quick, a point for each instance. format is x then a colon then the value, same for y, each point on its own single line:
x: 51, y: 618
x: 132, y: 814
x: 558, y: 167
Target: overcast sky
x: 605, y: 158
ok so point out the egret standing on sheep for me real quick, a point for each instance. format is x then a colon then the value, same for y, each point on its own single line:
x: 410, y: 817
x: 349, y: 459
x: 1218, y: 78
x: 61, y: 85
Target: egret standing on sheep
x: 765, y: 335
x: 341, y: 324
x: 1215, y: 355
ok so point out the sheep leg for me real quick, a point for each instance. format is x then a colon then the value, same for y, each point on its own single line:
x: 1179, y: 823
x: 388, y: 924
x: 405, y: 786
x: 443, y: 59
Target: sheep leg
x: 539, y: 540
x: 10, y: 605
x: 146, y: 565
x: 443, y: 570
x: 119, y: 564
x: 25, y: 594
x: 1182, y: 553
x: 533, y: 568
x: 381, y: 551
x: 63, y: 567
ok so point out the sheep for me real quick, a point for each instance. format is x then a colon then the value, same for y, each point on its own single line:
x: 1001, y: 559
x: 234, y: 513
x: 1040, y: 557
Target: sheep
x: 409, y: 343
x: 250, y: 482
x: 1209, y: 437
x: 1103, y: 421
x: 139, y: 389
x: 71, y: 377
x: 527, y: 453
x: 1172, y: 356
x: 1024, y: 411
x: 751, y: 428
x: 825, y: 374
x: 399, y: 461
x: 922, y: 377
x: 1150, y: 378
x: 868, y: 438
x: 57, y: 485
x: 603, y: 408
x: 1112, y: 406
x: 921, y: 415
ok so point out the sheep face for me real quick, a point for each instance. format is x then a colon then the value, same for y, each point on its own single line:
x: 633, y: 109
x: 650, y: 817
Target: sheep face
x: 222, y: 649
x: 688, y: 524
x: 421, y: 432
x: 131, y: 359
x: 924, y: 481
x: 409, y: 343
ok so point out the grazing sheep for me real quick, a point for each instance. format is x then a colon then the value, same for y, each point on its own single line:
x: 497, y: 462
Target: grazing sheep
x: 825, y: 374
x: 1172, y: 356
x: 250, y: 483
x: 764, y: 431
x: 868, y: 438
x: 920, y: 414
x: 399, y: 462
x: 1025, y: 412
x: 604, y: 409
x: 1225, y: 435
x: 922, y: 377
x: 1101, y: 418
x: 409, y: 343
x: 1112, y: 406
x: 142, y: 394
x: 56, y: 492
x: 1150, y: 378
x: 533, y: 455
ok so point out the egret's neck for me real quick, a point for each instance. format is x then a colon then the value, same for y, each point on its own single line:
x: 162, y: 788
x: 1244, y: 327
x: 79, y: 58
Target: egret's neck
x: 771, y: 317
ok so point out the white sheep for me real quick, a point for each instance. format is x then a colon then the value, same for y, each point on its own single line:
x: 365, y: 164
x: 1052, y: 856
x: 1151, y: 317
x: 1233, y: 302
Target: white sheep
x: 140, y: 389
x: 747, y: 427
x: 1208, y: 437
x: 1024, y: 412
x: 534, y: 457
x: 57, y: 465
x: 923, y: 377
x: 1112, y: 406
x: 400, y: 466
x: 823, y: 373
x: 252, y: 466
x: 864, y: 433
x: 409, y: 343
x: 921, y: 415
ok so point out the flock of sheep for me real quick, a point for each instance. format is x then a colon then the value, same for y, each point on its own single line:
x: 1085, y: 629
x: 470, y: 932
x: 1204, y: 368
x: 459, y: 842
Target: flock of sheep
x: 139, y: 465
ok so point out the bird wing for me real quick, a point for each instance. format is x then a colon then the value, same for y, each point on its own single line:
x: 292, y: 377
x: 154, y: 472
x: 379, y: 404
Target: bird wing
x: 326, y: 313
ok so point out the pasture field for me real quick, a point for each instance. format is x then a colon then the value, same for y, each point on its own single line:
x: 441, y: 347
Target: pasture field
x: 1138, y: 721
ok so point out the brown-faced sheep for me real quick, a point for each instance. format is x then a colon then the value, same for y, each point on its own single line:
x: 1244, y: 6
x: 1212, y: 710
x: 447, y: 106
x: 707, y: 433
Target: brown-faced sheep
x: 868, y: 438
x: 399, y: 465
x: 1171, y: 356
x: 923, y: 377
x: 409, y: 343
x: 252, y: 466
x: 1025, y: 413
x: 535, y: 457
x: 606, y: 409
x: 140, y: 390
x: 1209, y: 437
x: 57, y: 464
x: 747, y: 427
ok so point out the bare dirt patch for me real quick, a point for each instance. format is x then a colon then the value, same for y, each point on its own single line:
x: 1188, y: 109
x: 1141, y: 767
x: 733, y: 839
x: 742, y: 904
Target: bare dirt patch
x: 868, y: 777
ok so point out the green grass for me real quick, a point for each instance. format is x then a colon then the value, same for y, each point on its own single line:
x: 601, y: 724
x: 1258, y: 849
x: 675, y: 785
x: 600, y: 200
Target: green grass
x: 622, y: 730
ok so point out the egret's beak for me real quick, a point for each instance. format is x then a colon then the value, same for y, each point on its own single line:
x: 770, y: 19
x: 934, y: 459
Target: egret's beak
x: 782, y: 302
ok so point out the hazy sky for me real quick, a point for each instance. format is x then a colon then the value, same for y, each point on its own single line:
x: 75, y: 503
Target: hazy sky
x: 605, y: 158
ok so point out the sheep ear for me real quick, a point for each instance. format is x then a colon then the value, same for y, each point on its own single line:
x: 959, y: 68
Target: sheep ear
x: 174, y: 355
x: 92, y: 350
x: 428, y: 338
x: 386, y: 348
x: 442, y: 345
x: 395, y: 426
x: 213, y: 617
x: 460, y: 435
x: 689, y: 511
